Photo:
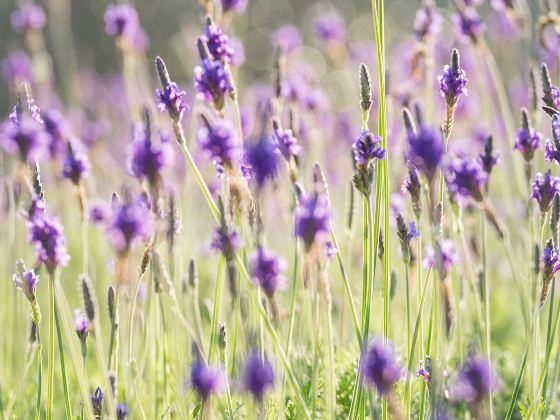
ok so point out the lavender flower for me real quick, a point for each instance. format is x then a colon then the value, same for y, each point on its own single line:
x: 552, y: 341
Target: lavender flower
x: 425, y: 372
x: 28, y: 16
x: 26, y: 138
x: 285, y: 142
x: 212, y: 82
x: 469, y: 26
x: 406, y: 234
x: 312, y: 219
x: 99, y: 213
x: 206, y: 380
x: 262, y: 157
x: 122, y: 411
x: 217, y: 42
x: 527, y: 140
x: 287, y: 38
x: 130, y: 222
x: 226, y: 241
x: 329, y: 27
x: 57, y: 129
x: 427, y: 22
x: 76, y: 164
x: 258, y: 377
x: 552, y: 147
x: 47, y: 234
x: 148, y: 159
x: 466, y: 178
x: 412, y: 186
x: 475, y: 382
x: 426, y: 149
x: 16, y: 67
x: 220, y: 142
x: 81, y: 324
x: 443, y: 257
x: 97, y: 402
x: 237, y: 6
x: 453, y: 81
x: 268, y: 271
x: 551, y: 265
x: 367, y: 148
x: 488, y: 159
x: 121, y: 20
x: 26, y: 281
x: 170, y: 100
x: 544, y: 189
x: 379, y: 366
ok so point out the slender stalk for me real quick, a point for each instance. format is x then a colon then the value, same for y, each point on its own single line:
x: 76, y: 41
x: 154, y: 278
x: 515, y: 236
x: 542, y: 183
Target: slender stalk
x: 50, y: 368
x: 216, y: 311
x: 487, y: 307
x: 39, y: 374
x: 62, y: 363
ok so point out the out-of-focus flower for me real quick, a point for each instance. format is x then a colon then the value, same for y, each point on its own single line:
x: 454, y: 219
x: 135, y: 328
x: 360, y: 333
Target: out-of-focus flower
x: 212, y: 82
x: 469, y: 25
x: 426, y: 149
x: 552, y: 147
x: 287, y: 38
x: 412, y: 186
x: 206, y: 381
x: 527, y: 139
x: 220, y: 142
x: 76, y: 164
x: 238, y: 57
x: 268, y: 271
x: 475, y: 382
x: 443, y: 257
x: 285, y: 142
x: 379, y: 366
x: 122, y: 411
x: 170, y: 99
x: 148, y: 159
x: 258, y: 377
x: 489, y: 159
x: 26, y: 138
x: 121, y: 20
x: 28, y: 16
x: 97, y: 402
x: 58, y: 131
x: 262, y: 157
x: 312, y: 219
x: 545, y: 189
x: 81, y: 324
x: 329, y: 27
x: 237, y: 6
x: 217, y: 42
x: 16, y: 67
x: 130, y: 221
x: 427, y: 22
x: 466, y: 178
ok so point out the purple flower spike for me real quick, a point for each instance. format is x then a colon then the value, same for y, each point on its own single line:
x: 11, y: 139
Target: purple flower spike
x: 453, y: 81
x: 76, y: 164
x: 130, y: 222
x: 148, y: 159
x: 81, y: 324
x: 97, y: 402
x: 544, y: 189
x: 217, y: 42
x: 122, y: 411
x: 25, y: 137
x: 16, y: 67
x: 552, y: 147
x: 466, y: 178
x: 27, y: 282
x: 367, y: 148
x: 262, y: 157
x: 226, y: 241
x: 237, y: 6
x: 28, y: 16
x: 475, y: 382
x: 121, y: 20
x: 550, y: 266
x: 329, y: 27
x: 268, y: 271
x: 379, y: 366
x: 425, y: 372
x: 47, y: 234
x: 170, y: 100
x: 527, y: 141
x: 206, y: 380
x: 259, y: 376
x: 469, y: 26
x: 220, y: 142
x: 58, y: 131
x: 312, y: 219
x: 287, y: 38
x: 426, y: 149
x: 286, y: 143
x: 427, y: 22
x: 212, y: 82
x: 443, y: 257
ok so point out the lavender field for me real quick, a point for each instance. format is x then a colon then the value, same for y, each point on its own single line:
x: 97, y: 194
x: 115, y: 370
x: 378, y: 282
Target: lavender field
x: 269, y: 209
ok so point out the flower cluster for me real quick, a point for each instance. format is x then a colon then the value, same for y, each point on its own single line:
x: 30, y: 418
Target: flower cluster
x: 28, y: 16
x: 262, y: 157
x: 545, y: 189
x: 466, y: 178
x: 258, y: 377
x: 217, y: 42
x: 25, y: 137
x: 170, y: 99
x: 148, y: 159
x: 76, y: 164
x: 453, y: 81
x: 220, y: 142
x: 130, y: 222
x: 475, y: 382
x: 312, y: 219
x: 206, y: 380
x: 379, y: 366
x: 268, y: 271
x: 426, y: 150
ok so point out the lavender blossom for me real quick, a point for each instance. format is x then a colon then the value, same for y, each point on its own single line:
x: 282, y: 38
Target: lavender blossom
x: 262, y: 157
x: 544, y: 189
x: 268, y: 271
x: 285, y: 142
x: 367, y: 148
x: 81, y: 324
x: 220, y: 142
x: 76, y: 164
x: 130, y: 222
x: 411, y: 185
x: 26, y: 281
x: 16, y: 67
x: 426, y: 150
x: 170, y: 100
x: 206, y: 380
x: 312, y: 219
x: 488, y: 159
x: 550, y: 266
x: 258, y: 376
x: 28, y: 16
x: 469, y: 25
x: 427, y: 22
x: 227, y: 241
x: 475, y: 382
x: 329, y: 27
x: 287, y: 38
x: 148, y: 159
x: 425, y: 372
x: 527, y: 140
x: 237, y: 6
x: 217, y: 42
x: 466, y: 178
x: 453, y: 81
x: 552, y: 147
x: 406, y: 234
x: 57, y: 129
x: 26, y: 138
x: 97, y: 402
x: 443, y: 257
x: 379, y: 366
x: 47, y: 234
x: 121, y: 20
x: 212, y: 82
x: 122, y: 411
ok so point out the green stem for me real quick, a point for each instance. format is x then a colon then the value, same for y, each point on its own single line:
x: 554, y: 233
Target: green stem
x: 50, y: 368
x: 216, y: 311
x: 62, y: 363
x: 486, y: 306
x: 39, y: 374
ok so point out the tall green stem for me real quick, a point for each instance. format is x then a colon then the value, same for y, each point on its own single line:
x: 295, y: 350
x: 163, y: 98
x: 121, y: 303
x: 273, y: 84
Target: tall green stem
x: 50, y: 368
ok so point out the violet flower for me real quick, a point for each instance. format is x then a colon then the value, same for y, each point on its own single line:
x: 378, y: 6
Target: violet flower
x: 527, y: 140
x: 16, y: 67
x: 475, y: 382
x: 81, y: 324
x: 28, y: 16
x: 206, y: 381
x: 411, y: 185
x: 469, y: 25
x: 97, y: 402
x: 552, y: 147
x: 262, y: 157
x: 453, y: 81
x: 26, y: 281
x: 427, y: 22
x: 58, y: 131
x: 466, y: 178
x: 130, y: 222
x: 76, y: 164
x: 170, y: 100
x: 550, y: 266
x: 217, y: 42
x: 122, y: 411
x: 26, y: 138
x: 220, y: 142
x: 285, y: 142
x: 442, y: 258
x: 426, y: 150
x: 545, y: 189
x: 268, y: 271
x: 121, y: 20
x: 312, y: 219
x: 406, y: 234
x: 148, y: 160
x: 237, y: 6
x: 258, y: 376
x: 379, y: 366
x: 287, y: 38
x: 329, y: 27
